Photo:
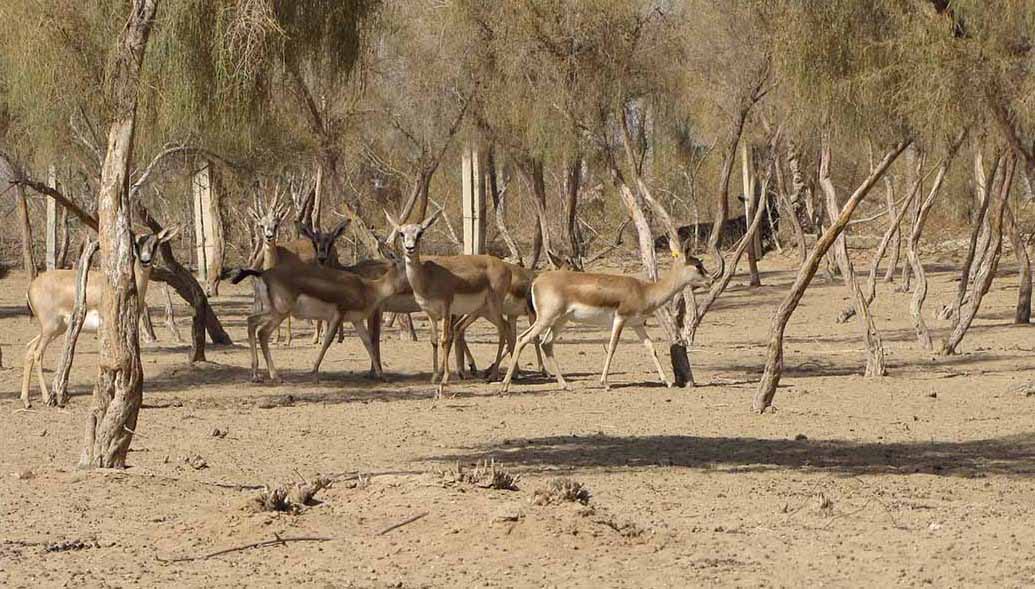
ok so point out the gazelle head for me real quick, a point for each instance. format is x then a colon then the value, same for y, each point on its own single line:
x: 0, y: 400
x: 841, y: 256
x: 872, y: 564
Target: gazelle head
x: 411, y: 233
x: 269, y: 219
x: 323, y: 242
x: 689, y: 269
x: 146, y: 246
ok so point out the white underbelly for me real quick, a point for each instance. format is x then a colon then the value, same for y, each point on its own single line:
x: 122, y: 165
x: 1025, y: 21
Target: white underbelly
x: 587, y: 314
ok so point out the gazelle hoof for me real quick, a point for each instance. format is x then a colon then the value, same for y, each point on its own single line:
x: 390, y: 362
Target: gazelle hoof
x: 276, y: 381
x: 256, y: 378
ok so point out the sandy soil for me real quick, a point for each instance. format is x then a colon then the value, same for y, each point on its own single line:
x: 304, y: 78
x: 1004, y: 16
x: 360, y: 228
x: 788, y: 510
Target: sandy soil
x: 921, y: 478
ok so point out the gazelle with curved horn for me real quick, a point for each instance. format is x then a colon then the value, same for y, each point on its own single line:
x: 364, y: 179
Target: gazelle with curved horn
x: 319, y: 293
x: 471, y: 286
x: 51, y: 299
x: 561, y: 296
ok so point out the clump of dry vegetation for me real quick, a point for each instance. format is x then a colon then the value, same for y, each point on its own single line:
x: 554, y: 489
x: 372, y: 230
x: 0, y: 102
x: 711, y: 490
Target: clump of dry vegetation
x: 561, y: 490
x: 485, y: 474
x: 290, y: 498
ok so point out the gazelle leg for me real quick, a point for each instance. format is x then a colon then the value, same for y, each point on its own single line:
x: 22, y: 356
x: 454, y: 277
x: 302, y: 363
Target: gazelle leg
x: 328, y: 339
x: 271, y: 324
x: 288, y: 342
x: 253, y: 324
x: 548, y: 340
x: 41, y: 349
x: 444, y: 343
x: 434, y: 349
x: 542, y: 323
x: 368, y: 343
x: 616, y: 334
x: 374, y: 333
x: 30, y: 359
x: 316, y: 332
x: 641, y: 331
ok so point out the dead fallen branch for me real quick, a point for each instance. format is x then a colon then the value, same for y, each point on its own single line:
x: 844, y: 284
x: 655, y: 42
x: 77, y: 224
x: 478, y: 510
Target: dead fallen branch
x: 405, y: 522
x: 277, y: 540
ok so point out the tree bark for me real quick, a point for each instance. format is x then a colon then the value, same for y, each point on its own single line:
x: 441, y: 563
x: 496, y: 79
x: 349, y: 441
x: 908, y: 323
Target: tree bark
x: 923, y: 335
x: 118, y: 393
x: 774, y: 355
x: 986, y: 271
x: 533, y: 170
x: 979, y: 230
x: 748, y: 185
x: 572, y: 185
x: 894, y: 233
x: 1022, y: 313
x: 75, y: 326
x: 875, y: 363
x: 499, y: 205
x: 790, y: 203
x: 170, y: 315
x: 23, y: 221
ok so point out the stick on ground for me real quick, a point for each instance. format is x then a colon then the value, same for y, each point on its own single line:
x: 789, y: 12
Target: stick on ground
x: 276, y: 540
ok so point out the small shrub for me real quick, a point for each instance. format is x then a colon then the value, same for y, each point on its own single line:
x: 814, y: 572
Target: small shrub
x: 560, y: 490
x: 485, y: 475
x: 291, y: 498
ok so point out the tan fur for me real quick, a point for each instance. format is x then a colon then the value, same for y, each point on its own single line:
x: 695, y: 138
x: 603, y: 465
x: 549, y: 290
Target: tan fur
x: 51, y: 298
x: 561, y: 296
x: 469, y: 285
x: 308, y: 291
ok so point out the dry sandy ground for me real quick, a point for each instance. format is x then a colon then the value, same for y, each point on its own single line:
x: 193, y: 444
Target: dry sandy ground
x: 921, y: 478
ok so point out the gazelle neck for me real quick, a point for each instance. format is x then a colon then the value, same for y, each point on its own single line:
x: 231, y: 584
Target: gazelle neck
x: 143, y: 277
x: 269, y: 254
x: 660, y: 292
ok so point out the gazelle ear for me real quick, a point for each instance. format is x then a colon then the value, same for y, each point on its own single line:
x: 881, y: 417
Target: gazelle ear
x: 430, y: 220
x: 391, y: 220
x: 306, y: 231
x: 555, y: 260
x: 168, y: 233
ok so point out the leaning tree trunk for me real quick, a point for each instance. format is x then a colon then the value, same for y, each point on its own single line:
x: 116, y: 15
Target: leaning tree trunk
x: 26, y: 227
x: 499, y: 205
x: 533, y: 170
x: 979, y: 230
x: 798, y: 193
x: 986, y: 270
x: 774, y: 355
x: 875, y: 363
x: 75, y: 326
x: 118, y: 393
x: 1022, y: 314
x: 748, y: 186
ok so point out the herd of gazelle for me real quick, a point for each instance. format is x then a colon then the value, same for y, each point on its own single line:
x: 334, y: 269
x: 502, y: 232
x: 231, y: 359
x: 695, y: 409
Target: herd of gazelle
x: 303, y: 279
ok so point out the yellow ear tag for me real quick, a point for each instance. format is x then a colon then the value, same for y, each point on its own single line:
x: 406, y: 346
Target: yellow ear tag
x: 675, y: 254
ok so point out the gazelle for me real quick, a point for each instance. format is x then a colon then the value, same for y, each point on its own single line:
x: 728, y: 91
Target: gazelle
x: 560, y: 296
x: 272, y: 251
x: 51, y: 299
x: 472, y: 286
x: 319, y: 293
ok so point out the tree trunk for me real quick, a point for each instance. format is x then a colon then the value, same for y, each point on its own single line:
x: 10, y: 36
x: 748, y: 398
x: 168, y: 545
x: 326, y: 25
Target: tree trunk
x: 923, y: 336
x: 572, y: 184
x: 533, y: 170
x: 500, y: 207
x: 170, y: 315
x: 1022, y: 314
x: 774, y: 355
x: 894, y: 233
x: 980, y: 228
x: 23, y: 220
x: 65, y: 238
x: 875, y: 363
x: 748, y: 186
x: 790, y: 203
x: 75, y: 326
x: 119, y: 390
x: 986, y: 271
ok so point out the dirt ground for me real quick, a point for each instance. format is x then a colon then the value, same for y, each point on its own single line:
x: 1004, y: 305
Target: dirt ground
x: 925, y: 477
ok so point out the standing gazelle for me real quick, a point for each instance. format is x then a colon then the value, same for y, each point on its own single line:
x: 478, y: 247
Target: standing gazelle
x: 561, y: 296
x: 51, y: 299
x: 472, y: 286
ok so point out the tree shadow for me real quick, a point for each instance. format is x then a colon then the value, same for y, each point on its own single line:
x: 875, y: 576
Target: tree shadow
x: 1009, y: 455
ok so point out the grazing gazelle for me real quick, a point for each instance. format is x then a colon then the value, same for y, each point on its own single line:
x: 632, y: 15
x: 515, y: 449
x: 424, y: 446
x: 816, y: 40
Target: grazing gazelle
x: 308, y: 291
x: 560, y: 296
x: 472, y: 286
x: 51, y: 299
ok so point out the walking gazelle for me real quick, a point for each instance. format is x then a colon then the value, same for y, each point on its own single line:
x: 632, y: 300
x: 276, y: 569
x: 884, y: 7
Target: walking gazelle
x: 561, y: 296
